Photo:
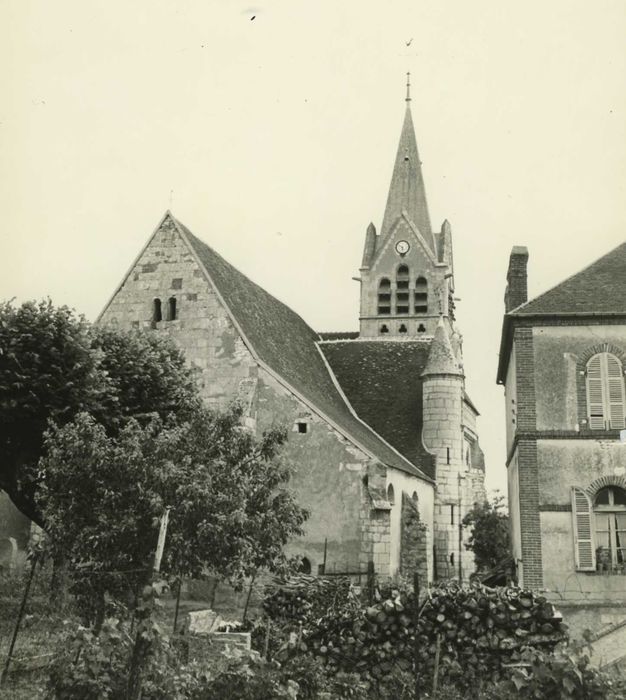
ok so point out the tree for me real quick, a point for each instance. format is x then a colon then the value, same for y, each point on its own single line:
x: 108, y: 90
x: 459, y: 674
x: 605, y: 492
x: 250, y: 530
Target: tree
x: 489, y: 538
x: 102, y: 497
x: 54, y: 364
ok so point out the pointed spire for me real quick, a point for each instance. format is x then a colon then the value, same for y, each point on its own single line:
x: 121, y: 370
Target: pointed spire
x: 441, y: 357
x: 408, y: 87
x: 406, y: 192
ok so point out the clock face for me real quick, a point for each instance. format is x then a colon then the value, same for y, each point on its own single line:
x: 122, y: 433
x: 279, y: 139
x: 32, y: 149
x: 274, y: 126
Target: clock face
x: 402, y: 247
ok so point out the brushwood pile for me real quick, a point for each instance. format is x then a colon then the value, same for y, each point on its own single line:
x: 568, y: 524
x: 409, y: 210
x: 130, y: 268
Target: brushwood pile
x: 477, y: 630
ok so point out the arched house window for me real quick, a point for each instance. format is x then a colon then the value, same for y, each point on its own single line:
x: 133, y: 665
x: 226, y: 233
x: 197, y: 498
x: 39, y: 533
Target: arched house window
x: 402, y: 290
x: 605, y: 392
x: 391, y: 497
x: 600, y: 529
x: 384, y: 296
x: 609, y: 509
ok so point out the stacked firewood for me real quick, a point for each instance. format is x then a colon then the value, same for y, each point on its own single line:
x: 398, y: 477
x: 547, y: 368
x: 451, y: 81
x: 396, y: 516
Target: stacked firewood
x: 474, y: 632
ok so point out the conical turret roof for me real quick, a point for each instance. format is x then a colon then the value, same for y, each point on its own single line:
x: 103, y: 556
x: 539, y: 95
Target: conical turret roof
x: 441, y: 358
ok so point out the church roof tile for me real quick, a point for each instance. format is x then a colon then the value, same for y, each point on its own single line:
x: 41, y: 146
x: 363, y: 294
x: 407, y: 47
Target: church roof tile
x: 385, y: 397
x: 288, y: 346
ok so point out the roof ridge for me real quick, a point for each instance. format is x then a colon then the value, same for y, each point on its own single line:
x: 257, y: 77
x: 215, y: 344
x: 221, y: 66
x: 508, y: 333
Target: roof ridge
x: 564, y: 281
x: 338, y: 423
x: 188, y: 232
x: 356, y: 415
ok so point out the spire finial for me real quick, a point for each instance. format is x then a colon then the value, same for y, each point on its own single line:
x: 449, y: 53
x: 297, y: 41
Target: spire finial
x: 408, y: 87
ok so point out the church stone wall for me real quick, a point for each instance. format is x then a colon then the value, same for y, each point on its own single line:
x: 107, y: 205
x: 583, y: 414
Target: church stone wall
x: 330, y: 471
x: 202, y: 328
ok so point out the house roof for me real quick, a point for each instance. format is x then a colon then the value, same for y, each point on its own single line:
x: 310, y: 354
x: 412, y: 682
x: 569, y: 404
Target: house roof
x: 387, y: 398
x: 599, y: 288
x: 288, y: 346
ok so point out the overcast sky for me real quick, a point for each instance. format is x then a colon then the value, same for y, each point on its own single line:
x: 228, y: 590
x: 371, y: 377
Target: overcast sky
x: 270, y: 130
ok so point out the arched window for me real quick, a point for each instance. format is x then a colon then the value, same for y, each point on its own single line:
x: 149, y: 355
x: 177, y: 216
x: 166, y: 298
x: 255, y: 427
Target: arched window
x: 402, y: 290
x: 156, y: 311
x: 391, y: 497
x: 384, y: 329
x: 414, y: 497
x: 384, y: 296
x: 421, y: 295
x: 605, y: 392
x: 171, y: 309
x: 609, y: 510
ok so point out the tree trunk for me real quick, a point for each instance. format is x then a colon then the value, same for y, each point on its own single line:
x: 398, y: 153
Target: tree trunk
x: 99, y: 612
x: 59, y: 583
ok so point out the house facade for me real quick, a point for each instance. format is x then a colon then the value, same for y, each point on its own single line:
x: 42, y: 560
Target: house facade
x: 379, y: 422
x: 562, y: 364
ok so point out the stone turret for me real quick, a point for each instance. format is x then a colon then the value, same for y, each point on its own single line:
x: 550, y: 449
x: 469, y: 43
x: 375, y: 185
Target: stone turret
x: 442, y: 434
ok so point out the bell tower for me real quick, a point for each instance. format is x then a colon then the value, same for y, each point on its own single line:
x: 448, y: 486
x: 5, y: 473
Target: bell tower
x: 406, y: 273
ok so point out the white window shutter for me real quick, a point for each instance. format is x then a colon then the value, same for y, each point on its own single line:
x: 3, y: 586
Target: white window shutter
x: 615, y: 391
x: 582, y: 515
x: 595, y: 394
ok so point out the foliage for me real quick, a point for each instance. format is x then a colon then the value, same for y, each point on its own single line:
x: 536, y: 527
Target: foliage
x: 567, y: 676
x: 54, y: 365
x: 489, y: 538
x: 102, y: 498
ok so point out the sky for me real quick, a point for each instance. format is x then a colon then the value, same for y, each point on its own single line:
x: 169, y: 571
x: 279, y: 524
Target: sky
x: 270, y: 130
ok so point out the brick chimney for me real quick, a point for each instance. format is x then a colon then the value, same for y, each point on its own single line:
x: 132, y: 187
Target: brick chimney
x: 517, y: 281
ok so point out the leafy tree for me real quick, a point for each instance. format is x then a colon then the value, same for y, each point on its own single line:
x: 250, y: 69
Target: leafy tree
x: 489, y: 538
x: 54, y: 364
x: 102, y: 498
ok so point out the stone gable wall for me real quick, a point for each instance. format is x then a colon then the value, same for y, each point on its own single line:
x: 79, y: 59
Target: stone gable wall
x: 329, y: 471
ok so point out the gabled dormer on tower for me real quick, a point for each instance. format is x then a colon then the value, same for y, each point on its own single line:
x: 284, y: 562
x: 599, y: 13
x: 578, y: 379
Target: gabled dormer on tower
x: 406, y: 273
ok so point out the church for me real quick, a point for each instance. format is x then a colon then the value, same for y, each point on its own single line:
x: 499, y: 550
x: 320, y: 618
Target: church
x: 380, y: 426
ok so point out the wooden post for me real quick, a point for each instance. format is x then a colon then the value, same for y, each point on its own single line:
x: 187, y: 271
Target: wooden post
x: 180, y: 585
x: 416, y: 615
x: 20, y: 615
x: 266, y: 646
x: 371, y: 581
x: 325, y: 552
x: 245, y: 610
x: 436, y: 672
x: 143, y: 643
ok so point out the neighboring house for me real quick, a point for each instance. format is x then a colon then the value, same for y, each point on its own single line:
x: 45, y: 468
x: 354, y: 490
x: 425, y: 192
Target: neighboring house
x: 379, y: 421
x: 562, y: 364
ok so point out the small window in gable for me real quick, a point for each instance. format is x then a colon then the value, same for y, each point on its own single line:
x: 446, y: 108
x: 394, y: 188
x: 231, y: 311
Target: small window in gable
x: 156, y: 311
x: 390, y: 494
x: 421, y: 295
x: 605, y: 392
x: 384, y: 296
x: 171, y: 309
x: 301, y: 427
x: 402, y: 290
x: 414, y: 497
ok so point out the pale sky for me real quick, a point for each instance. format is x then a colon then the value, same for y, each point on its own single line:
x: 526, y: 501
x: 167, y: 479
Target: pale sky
x: 270, y: 130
